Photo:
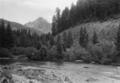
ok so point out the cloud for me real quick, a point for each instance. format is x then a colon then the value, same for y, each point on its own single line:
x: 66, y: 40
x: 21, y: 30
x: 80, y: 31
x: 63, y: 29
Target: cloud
x: 41, y: 3
x: 47, y: 3
x: 25, y: 10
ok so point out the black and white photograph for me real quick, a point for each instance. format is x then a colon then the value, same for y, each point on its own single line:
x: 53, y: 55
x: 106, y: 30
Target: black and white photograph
x: 59, y: 41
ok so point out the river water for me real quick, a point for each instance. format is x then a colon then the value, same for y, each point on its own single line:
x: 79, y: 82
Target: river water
x: 67, y: 72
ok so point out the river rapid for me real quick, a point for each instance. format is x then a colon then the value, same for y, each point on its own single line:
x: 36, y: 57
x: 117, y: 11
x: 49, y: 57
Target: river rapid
x: 51, y: 72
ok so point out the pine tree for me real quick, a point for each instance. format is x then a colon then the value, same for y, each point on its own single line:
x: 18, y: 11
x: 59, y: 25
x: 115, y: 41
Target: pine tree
x: 54, y: 26
x: 59, y: 46
x: 56, y: 23
x: 95, y: 38
x: 72, y: 15
x: 65, y: 19
x: 51, y: 41
x: 65, y: 40
x: 69, y: 40
x: 2, y: 34
x: 117, y: 43
x: 83, y: 40
x: 9, y: 36
x: 58, y: 20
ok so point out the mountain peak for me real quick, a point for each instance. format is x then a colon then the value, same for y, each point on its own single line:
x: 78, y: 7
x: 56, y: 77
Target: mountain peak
x: 41, y: 24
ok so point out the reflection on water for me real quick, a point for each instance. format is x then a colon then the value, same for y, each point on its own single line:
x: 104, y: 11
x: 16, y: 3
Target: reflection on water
x: 6, y: 61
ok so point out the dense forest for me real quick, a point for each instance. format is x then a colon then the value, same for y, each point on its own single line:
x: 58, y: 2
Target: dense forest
x: 84, y: 11
x: 60, y: 47
x: 34, y: 46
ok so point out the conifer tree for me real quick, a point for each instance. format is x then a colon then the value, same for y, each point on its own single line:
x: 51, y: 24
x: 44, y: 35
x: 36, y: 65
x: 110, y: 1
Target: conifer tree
x: 65, y: 19
x: 2, y: 34
x: 56, y: 22
x: 59, y: 46
x: 83, y: 40
x: 117, y: 43
x: 9, y: 36
x: 65, y: 40
x: 51, y: 41
x: 54, y: 26
x: 69, y: 40
x: 95, y: 38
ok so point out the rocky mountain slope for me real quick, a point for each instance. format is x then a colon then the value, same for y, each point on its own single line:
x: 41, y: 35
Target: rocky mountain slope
x: 40, y: 24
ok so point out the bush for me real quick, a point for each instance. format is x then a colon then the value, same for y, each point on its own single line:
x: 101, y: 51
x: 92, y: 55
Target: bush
x: 21, y: 52
x: 30, y: 52
x: 18, y: 50
x: 34, y: 54
x: 96, y: 52
x: 102, y: 52
x: 69, y: 56
x: 52, y: 53
x: 77, y: 53
x: 83, y: 54
x: 41, y: 54
x: 5, y: 53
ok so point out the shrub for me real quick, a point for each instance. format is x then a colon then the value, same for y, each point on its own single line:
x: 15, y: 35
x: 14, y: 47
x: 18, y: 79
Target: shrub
x: 5, y: 53
x: 41, y: 54
x: 34, y: 54
x: 69, y: 56
x: 52, y: 53
x: 18, y: 50
x: 83, y: 54
x: 30, y: 52
x: 108, y: 52
x: 77, y: 53
x: 103, y: 52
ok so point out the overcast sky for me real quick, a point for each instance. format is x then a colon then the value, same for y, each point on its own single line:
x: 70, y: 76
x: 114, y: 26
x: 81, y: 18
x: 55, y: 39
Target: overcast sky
x: 23, y: 11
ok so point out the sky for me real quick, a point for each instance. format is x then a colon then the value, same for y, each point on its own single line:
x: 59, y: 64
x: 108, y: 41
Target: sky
x: 23, y: 11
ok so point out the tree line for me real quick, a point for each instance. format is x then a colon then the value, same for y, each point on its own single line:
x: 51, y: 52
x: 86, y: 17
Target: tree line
x: 6, y: 36
x: 59, y: 48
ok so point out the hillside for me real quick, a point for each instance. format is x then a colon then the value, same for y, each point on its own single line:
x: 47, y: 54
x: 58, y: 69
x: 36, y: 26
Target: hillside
x: 40, y: 24
x: 105, y: 30
x: 18, y: 26
x: 85, y: 11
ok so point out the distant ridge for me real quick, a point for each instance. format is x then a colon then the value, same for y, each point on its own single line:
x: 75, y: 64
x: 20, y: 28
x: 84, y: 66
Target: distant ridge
x: 18, y: 26
x: 40, y: 24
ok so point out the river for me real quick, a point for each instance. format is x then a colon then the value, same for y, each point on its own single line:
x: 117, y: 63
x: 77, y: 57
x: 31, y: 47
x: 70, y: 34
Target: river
x: 67, y: 72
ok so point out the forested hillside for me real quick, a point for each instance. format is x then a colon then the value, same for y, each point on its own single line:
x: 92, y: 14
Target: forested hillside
x: 94, y: 29
x: 13, y: 37
x: 85, y: 11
